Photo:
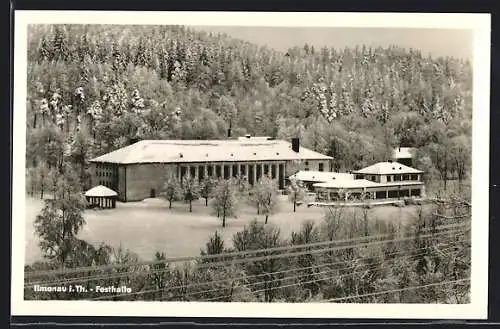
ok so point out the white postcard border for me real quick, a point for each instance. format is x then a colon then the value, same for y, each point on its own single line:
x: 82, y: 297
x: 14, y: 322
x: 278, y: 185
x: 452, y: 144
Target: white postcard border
x: 477, y: 309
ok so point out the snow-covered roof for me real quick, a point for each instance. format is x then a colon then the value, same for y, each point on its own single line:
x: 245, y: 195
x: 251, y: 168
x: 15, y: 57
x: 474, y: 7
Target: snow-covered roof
x: 100, y: 191
x: 387, y: 168
x: 354, y: 183
x: 179, y: 151
x: 320, y: 176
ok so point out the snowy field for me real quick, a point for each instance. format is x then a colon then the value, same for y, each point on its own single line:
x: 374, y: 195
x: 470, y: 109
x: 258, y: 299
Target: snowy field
x: 149, y: 226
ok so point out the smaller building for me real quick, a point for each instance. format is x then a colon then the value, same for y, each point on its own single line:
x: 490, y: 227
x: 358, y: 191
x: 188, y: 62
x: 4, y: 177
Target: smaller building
x: 101, y: 197
x: 383, y: 180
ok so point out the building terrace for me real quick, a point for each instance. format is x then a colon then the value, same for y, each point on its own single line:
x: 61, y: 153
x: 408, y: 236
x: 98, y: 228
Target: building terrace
x: 383, y: 180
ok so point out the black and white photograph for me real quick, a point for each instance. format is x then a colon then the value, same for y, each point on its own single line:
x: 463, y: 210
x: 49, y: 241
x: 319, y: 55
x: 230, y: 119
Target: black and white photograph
x: 251, y: 164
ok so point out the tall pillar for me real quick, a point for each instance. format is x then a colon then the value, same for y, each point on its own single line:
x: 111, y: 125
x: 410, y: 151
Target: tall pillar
x: 195, y: 173
x: 247, y: 174
x: 255, y: 173
x: 280, y: 174
x: 230, y: 170
x: 387, y: 194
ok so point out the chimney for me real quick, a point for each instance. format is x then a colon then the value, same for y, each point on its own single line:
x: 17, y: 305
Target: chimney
x: 229, y: 132
x: 296, y: 144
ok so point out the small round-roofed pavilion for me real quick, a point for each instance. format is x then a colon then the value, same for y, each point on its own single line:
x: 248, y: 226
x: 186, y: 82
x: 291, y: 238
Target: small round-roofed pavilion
x: 102, y: 197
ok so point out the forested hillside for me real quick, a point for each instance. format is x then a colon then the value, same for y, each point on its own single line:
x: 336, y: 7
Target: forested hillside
x: 92, y: 89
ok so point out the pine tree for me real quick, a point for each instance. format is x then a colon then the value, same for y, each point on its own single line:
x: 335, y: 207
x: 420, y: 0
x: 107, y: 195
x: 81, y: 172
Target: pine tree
x: 59, y: 46
x: 44, y: 51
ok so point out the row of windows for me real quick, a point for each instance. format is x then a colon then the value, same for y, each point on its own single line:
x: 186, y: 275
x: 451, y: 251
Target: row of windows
x: 104, y: 174
x: 390, y: 178
x: 398, y: 178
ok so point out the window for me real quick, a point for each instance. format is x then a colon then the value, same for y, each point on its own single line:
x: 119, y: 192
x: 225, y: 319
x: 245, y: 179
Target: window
x: 389, y: 178
x: 397, y: 178
x: 306, y: 169
x: 321, y: 167
x: 406, y: 177
x: 307, y: 163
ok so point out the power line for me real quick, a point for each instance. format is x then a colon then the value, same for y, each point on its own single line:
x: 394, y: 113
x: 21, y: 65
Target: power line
x: 247, y: 252
x: 312, y: 281
x: 398, y: 290
x: 114, y: 275
x: 369, y: 267
x: 239, y: 278
x: 251, y: 276
x: 258, y: 258
x: 349, y: 297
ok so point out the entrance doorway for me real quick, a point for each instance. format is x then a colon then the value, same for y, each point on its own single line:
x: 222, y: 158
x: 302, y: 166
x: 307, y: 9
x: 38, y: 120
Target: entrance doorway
x: 152, y: 193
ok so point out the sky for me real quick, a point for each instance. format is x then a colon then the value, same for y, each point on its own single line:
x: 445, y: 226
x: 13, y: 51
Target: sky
x: 436, y: 42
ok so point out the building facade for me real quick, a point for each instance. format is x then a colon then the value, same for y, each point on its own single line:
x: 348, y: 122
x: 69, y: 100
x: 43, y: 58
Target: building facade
x: 138, y: 171
x: 383, y: 180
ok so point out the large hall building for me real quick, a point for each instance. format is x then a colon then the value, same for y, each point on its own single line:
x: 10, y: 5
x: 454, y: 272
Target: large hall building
x: 138, y: 171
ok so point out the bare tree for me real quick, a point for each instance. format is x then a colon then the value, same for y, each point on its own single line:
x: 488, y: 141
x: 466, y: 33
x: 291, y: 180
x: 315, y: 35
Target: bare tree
x: 171, y: 189
x: 225, y: 200
x: 296, y: 192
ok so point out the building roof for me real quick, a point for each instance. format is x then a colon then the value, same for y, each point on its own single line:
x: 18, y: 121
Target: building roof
x: 347, y: 183
x: 387, y: 168
x: 179, y: 151
x: 100, y: 191
x: 403, y: 153
x: 320, y: 176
